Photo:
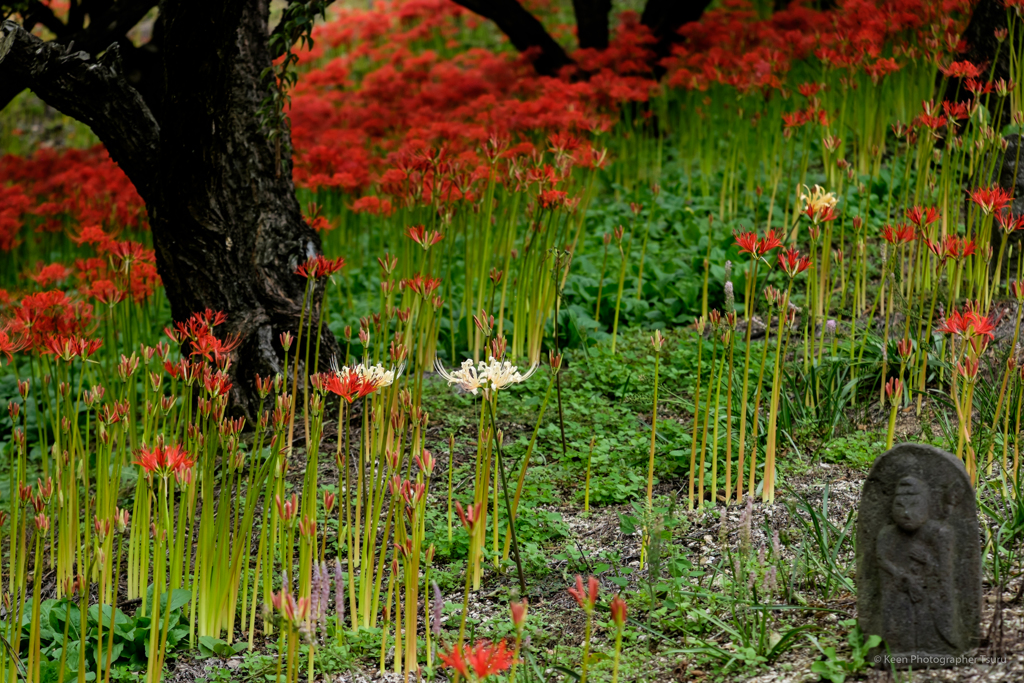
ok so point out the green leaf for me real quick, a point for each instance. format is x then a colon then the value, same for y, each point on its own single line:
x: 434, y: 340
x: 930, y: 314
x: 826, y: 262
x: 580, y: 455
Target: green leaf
x: 114, y: 653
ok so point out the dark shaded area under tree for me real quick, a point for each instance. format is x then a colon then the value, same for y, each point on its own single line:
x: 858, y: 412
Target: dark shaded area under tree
x: 663, y: 17
x: 226, y: 225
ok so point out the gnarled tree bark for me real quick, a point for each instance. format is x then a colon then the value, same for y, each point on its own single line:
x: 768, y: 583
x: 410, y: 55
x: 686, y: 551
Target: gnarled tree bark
x: 227, y: 228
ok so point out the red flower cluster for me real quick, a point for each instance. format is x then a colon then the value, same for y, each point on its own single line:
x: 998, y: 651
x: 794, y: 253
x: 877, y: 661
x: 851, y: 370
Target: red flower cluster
x: 197, y: 332
x: 483, y: 659
x: 164, y: 461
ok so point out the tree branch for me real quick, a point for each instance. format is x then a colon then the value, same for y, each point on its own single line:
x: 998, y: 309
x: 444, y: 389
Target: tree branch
x: 592, y: 22
x: 38, y: 13
x: 665, y: 18
x: 524, y: 30
x: 112, y: 24
x: 91, y: 91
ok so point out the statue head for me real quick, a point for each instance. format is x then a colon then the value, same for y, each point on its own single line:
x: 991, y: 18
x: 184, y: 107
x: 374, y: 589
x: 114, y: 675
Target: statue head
x: 910, y: 505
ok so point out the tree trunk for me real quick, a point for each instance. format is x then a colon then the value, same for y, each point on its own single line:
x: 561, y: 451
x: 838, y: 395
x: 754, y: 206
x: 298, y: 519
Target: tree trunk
x: 664, y: 18
x: 524, y: 30
x: 592, y: 23
x: 226, y: 225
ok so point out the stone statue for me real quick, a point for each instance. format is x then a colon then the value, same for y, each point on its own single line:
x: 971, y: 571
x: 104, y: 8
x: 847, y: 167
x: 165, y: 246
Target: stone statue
x: 919, y: 558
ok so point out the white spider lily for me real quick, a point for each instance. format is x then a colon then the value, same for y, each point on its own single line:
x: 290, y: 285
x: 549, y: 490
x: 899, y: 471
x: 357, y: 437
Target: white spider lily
x: 374, y: 374
x: 494, y: 375
x: 466, y: 377
x: 377, y: 375
x: 500, y: 374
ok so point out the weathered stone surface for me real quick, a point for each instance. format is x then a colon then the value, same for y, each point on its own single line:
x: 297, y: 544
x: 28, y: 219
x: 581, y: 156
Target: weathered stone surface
x: 919, y: 558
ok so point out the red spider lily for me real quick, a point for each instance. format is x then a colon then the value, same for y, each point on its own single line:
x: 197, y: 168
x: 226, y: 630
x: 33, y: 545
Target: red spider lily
x: 898, y: 235
x: 757, y: 248
x: 968, y: 325
x: 553, y: 199
x: 953, y: 247
x: 50, y: 274
x: 164, y: 461
x: 961, y: 70
x: 454, y: 659
x: 42, y: 314
x: 823, y: 214
x: 349, y: 385
x: 485, y: 659
x: 375, y: 206
x: 956, y: 111
x: 215, y: 383
x: 94, y: 235
x: 127, y: 253
x: 213, y: 349
x: 1017, y: 289
x: 11, y: 343
x: 424, y: 286
x: 792, y: 262
x: 423, y: 237
x: 320, y: 266
x: 585, y: 599
x: 198, y: 325
x: 922, y: 217
x: 991, y: 199
x: 1008, y: 222
x: 618, y: 610
x: 70, y: 347
x: 977, y: 87
x: 105, y: 291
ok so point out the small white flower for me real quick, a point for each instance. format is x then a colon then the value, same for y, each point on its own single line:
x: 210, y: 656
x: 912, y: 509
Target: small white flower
x: 377, y: 375
x: 374, y: 374
x: 466, y: 377
x: 493, y: 375
x: 500, y: 374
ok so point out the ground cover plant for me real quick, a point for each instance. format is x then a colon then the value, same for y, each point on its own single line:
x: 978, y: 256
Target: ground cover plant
x: 584, y: 382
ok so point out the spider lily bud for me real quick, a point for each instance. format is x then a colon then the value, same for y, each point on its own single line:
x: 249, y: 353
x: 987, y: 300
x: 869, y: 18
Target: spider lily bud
x: 894, y: 390
x: 519, y: 613
x: 484, y: 323
x: 618, y: 610
x: 286, y: 340
x: 905, y: 348
x: 469, y: 516
x: 585, y: 599
x: 425, y: 461
x: 554, y: 360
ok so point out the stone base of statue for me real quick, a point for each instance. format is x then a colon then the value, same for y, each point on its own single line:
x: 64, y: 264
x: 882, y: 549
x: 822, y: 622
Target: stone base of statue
x: 919, y: 559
